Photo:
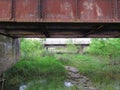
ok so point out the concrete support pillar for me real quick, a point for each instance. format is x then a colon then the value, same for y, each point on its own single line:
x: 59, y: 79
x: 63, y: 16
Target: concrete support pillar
x: 9, y: 52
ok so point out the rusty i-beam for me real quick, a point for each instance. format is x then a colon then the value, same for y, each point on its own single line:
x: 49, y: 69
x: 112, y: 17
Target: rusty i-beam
x: 60, y: 18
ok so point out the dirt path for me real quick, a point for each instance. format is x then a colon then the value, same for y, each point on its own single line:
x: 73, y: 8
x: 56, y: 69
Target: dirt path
x: 81, y: 82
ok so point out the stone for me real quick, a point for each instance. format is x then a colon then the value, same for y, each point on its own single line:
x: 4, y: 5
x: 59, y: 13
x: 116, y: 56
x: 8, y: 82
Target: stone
x: 71, y: 69
x: 92, y: 88
x: 81, y: 87
x: 75, y: 76
x: 82, y: 82
x: 85, y: 78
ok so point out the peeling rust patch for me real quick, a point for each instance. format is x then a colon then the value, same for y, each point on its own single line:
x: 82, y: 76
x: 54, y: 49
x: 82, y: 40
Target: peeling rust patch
x: 59, y: 9
x: 91, y: 9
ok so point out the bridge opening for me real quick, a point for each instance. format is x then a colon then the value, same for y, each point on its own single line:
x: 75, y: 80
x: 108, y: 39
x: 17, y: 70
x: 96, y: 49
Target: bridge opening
x: 48, y: 67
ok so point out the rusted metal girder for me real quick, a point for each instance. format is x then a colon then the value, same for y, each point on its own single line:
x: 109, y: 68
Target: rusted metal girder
x: 60, y: 30
x: 60, y: 10
x: 60, y: 18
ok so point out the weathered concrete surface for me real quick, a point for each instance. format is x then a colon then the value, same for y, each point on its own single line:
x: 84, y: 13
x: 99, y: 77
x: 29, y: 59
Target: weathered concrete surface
x: 9, y: 52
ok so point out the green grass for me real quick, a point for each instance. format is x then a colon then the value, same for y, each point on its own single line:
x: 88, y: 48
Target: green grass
x: 50, y: 84
x: 97, y: 69
x: 36, y: 65
x: 25, y: 71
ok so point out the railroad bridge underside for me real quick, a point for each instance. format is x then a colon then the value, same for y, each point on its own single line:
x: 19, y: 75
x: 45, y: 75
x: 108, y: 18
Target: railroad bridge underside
x: 59, y: 30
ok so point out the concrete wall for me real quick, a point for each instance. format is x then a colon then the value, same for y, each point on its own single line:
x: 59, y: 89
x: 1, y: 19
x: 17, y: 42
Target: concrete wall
x: 9, y: 52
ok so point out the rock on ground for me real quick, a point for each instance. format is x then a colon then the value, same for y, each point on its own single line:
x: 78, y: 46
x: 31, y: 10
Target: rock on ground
x: 80, y: 81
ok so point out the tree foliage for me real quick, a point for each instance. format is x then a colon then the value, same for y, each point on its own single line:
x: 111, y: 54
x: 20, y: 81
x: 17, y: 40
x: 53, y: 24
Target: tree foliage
x: 30, y: 48
x: 71, y: 46
x: 105, y: 46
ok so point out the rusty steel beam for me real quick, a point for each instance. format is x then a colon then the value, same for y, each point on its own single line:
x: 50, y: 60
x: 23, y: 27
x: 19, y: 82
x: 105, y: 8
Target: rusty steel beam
x: 61, y: 29
x: 60, y: 10
x: 4, y: 32
x: 47, y: 35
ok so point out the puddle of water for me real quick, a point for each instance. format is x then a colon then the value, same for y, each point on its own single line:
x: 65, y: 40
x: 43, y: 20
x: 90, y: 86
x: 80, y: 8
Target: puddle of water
x: 23, y: 87
x: 68, y: 84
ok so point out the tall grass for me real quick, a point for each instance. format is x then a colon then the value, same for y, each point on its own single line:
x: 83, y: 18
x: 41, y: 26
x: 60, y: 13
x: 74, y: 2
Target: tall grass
x: 25, y: 71
x: 37, y: 64
x: 97, y: 69
x: 33, y: 65
x: 52, y: 83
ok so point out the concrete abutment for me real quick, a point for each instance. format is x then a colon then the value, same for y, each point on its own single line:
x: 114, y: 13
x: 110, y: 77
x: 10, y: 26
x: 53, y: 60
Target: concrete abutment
x: 9, y: 52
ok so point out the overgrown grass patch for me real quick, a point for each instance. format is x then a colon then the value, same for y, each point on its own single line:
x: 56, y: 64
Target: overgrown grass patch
x: 101, y: 65
x: 97, y: 69
x: 52, y: 83
x: 25, y: 70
